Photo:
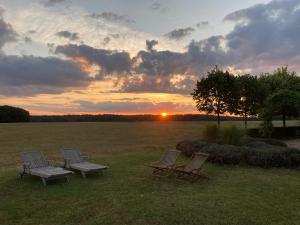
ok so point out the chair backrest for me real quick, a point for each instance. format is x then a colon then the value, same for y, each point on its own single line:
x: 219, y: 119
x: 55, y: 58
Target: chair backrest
x: 73, y: 155
x: 35, y: 159
x: 197, y: 162
x: 170, y: 157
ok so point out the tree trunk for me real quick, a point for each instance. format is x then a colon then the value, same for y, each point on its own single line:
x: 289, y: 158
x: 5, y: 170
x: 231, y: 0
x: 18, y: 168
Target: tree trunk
x: 284, y: 119
x: 246, y: 120
x: 219, y: 121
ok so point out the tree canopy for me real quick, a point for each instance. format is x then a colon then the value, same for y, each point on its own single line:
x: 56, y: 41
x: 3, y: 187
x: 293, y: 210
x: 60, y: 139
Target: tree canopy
x: 215, y: 93
x: 9, y: 114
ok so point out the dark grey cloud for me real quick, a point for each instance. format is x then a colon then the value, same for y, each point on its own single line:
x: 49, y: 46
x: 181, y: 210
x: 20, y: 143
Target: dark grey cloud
x: 115, y: 36
x: 7, y: 33
x: 53, y: 2
x: 161, y: 63
x: 150, y: 44
x: 111, y: 62
x: 180, y: 33
x: 266, y: 35
x: 202, y: 24
x: 27, y: 39
x: 157, y: 84
x: 129, y: 106
x: 112, y: 17
x: 32, y: 32
x: 68, y: 35
x: 106, y: 40
x: 29, y: 75
x: 158, y: 7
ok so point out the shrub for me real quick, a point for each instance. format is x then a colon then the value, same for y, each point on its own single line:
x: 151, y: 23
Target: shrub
x: 225, y: 154
x: 255, y: 153
x: 188, y: 148
x: 248, y: 140
x: 231, y: 135
x: 211, y: 133
x: 273, y: 157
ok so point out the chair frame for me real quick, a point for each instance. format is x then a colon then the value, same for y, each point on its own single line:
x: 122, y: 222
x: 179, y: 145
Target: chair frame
x: 193, y: 175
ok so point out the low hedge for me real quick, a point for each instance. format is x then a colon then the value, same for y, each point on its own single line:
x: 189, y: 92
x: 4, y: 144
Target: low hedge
x: 257, y: 153
x: 277, y: 132
x: 273, y: 157
x: 246, y: 140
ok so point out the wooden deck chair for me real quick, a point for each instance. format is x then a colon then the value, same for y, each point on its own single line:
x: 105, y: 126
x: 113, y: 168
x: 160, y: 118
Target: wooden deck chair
x: 166, y: 163
x: 75, y: 161
x: 35, y: 164
x: 192, y: 171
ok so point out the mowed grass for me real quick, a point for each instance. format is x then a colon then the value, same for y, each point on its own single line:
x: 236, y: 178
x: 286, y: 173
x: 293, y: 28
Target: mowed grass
x: 127, y: 193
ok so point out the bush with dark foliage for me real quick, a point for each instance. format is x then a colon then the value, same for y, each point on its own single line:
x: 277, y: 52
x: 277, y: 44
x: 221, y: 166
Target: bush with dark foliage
x: 257, y: 152
x: 9, y: 114
x: 251, y: 141
x: 189, y: 147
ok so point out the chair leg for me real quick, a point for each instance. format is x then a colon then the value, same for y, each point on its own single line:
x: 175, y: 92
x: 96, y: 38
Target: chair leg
x: 67, y: 179
x: 83, y: 174
x: 21, y: 174
x: 44, y: 181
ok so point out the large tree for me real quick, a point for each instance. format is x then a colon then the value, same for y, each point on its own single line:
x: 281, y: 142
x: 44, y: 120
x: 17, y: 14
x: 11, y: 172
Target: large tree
x: 284, y: 102
x: 283, y: 88
x: 250, y: 97
x: 9, y: 114
x: 215, y: 93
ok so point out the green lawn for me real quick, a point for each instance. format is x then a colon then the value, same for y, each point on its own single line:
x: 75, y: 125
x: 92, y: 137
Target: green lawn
x: 128, y: 193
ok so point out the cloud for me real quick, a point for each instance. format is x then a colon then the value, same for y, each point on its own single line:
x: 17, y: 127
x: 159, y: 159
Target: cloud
x: 265, y: 35
x: 29, y: 75
x: 202, y: 24
x: 181, y: 33
x: 7, y: 33
x: 136, y: 107
x: 158, y: 7
x: 112, y: 17
x: 106, y: 40
x: 68, y: 35
x: 150, y: 44
x: 158, y: 84
x: 110, y: 62
x: 53, y: 2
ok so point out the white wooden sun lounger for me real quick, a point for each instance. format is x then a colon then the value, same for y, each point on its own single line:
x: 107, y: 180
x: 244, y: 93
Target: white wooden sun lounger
x: 35, y: 164
x: 74, y: 160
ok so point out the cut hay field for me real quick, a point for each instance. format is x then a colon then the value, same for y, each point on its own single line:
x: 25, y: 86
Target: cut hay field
x: 127, y: 193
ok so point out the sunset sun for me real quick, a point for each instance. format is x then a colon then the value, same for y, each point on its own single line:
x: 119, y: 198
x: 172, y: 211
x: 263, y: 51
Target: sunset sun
x: 164, y: 114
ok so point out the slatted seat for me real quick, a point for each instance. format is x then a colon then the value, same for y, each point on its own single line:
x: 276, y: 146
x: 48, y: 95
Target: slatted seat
x: 34, y: 163
x: 74, y: 160
x: 192, y: 171
x: 166, y: 163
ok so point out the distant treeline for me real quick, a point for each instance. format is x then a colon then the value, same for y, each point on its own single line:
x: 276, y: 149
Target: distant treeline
x: 130, y: 118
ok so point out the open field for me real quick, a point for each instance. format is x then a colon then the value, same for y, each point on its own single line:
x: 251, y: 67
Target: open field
x: 127, y: 193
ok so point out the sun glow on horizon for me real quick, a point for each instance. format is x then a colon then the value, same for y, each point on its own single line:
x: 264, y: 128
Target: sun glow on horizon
x: 164, y: 114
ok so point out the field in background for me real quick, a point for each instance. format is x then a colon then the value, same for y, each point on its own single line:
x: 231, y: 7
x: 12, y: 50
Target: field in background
x: 128, y: 193
x: 97, y: 138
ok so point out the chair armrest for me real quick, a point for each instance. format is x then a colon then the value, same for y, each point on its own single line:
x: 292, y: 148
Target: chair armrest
x: 155, y: 162
x: 26, y: 167
x: 179, y: 167
x: 67, y: 162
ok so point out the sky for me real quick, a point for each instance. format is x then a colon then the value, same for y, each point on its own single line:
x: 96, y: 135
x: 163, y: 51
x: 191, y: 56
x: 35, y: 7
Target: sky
x: 135, y: 56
